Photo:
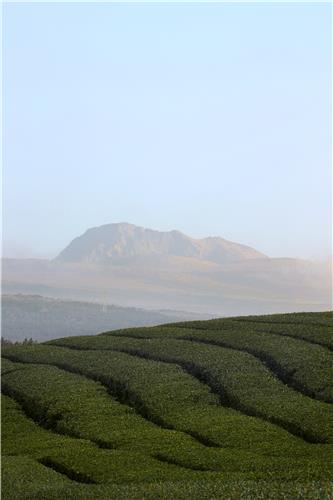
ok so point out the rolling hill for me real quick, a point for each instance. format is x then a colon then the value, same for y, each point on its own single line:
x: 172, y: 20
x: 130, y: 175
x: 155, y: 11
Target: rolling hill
x: 227, y: 408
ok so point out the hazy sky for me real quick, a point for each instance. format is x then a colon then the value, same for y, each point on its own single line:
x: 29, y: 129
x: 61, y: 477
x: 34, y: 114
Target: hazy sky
x: 212, y: 119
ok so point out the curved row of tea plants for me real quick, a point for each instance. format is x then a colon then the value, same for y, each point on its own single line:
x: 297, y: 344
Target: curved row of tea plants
x: 66, y: 403
x: 314, y: 328
x: 308, y: 368
x: 166, y: 395
x: 216, y: 409
x: 78, y: 459
x: 241, y: 380
x: 27, y: 479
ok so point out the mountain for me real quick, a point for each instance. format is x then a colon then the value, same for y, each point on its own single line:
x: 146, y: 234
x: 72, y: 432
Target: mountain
x: 135, y: 267
x: 122, y: 241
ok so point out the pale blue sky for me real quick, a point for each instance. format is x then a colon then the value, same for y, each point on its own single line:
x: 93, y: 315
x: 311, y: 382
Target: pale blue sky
x: 212, y: 119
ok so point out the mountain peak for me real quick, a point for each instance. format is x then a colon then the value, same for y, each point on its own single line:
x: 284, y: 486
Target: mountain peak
x: 124, y: 240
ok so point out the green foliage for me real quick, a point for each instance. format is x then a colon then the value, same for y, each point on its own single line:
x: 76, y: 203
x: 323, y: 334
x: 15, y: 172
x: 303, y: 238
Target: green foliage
x: 307, y: 367
x: 8, y: 366
x: 312, y: 327
x: 214, y: 409
x: 164, y: 394
x: 24, y: 478
x: 241, y: 380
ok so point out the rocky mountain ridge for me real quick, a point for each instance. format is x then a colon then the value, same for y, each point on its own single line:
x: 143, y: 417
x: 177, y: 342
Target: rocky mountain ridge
x: 122, y: 240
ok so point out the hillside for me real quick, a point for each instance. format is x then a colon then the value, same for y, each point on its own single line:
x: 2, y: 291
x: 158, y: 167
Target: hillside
x: 44, y: 318
x: 227, y: 408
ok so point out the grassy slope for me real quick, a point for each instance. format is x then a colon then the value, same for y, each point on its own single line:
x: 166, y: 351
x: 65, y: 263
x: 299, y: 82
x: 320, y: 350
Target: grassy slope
x: 215, y: 409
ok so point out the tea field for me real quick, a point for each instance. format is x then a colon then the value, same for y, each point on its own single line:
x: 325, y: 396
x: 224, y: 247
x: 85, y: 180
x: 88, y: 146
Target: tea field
x: 235, y: 408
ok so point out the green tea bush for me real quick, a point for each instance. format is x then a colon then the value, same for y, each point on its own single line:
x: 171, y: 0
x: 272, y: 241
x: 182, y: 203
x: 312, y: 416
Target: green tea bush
x: 240, y: 379
x: 215, y: 409
x: 306, y: 367
x: 165, y: 394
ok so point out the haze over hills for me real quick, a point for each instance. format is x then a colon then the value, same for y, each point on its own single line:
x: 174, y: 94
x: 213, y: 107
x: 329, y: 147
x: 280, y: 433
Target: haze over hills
x: 135, y: 267
x: 123, y: 240
x: 44, y: 318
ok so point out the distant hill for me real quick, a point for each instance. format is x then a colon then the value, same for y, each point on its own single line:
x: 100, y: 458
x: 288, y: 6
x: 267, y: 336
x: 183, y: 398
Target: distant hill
x: 136, y: 267
x: 117, y: 241
x: 43, y: 318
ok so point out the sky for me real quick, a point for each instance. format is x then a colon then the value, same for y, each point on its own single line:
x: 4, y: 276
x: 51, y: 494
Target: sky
x: 213, y: 119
